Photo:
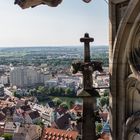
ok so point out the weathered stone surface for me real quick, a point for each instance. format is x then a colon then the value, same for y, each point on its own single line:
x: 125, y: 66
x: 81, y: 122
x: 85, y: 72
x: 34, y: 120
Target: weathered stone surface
x: 133, y: 95
x: 89, y: 119
x: 124, y: 97
x: 32, y: 3
x: 88, y: 93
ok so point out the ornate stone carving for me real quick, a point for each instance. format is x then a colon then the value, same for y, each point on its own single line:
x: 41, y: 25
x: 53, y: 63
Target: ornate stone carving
x: 134, y: 54
x: 133, y: 95
x: 133, y: 127
x: 32, y: 3
x: 133, y: 84
x: 87, y: 1
x: 93, y: 66
x: 125, y: 61
x: 120, y: 8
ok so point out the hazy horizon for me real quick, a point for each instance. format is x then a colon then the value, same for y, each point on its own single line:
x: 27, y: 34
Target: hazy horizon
x: 57, y: 46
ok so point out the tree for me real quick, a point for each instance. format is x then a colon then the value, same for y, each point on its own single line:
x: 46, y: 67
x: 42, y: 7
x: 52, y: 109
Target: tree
x: 62, y: 91
x: 68, y: 91
x: 99, y: 127
x: 57, y: 91
x: 17, y: 95
x: 71, y: 104
x: 64, y: 105
x: 41, y: 89
x: 7, y: 136
x: 103, y: 101
x: 57, y: 101
x: 40, y: 123
x: 33, y: 92
x: 106, y: 93
x: 107, y: 100
x: 52, y: 90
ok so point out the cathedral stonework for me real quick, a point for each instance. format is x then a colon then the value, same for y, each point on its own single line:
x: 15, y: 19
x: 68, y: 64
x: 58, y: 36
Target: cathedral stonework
x: 125, y: 69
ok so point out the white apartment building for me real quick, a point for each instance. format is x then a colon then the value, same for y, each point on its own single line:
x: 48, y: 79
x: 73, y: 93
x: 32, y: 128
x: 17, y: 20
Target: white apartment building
x: 4, y: 79
x: 46, y: 77
x: 24, y: 76
x: 51, y: 83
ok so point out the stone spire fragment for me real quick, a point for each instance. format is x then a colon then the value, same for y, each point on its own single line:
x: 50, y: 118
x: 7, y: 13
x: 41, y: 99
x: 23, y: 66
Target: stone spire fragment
x: 88, y: 93
x: 32, y: 3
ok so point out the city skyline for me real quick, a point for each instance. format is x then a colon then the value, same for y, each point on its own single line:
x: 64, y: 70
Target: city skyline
x: 47, y: 26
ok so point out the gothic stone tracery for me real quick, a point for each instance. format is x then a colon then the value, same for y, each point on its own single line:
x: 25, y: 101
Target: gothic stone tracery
x: 125, y: 69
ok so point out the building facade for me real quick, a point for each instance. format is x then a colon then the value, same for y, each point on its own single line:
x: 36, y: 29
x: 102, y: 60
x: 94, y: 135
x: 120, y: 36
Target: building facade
x: 1, y: 90
x: 4, y: 79
x: 24, y: 77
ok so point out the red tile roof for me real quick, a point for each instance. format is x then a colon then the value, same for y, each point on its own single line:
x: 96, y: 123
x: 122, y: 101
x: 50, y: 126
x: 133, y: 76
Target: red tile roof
x: 64, y: 121
x: 58, y: 134
x: 104, y: 136
x: 104, y: 115
x: 78, y: 108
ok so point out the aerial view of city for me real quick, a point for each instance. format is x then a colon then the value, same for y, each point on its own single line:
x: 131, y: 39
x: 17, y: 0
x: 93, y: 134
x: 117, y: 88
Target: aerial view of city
x: 38, y: 88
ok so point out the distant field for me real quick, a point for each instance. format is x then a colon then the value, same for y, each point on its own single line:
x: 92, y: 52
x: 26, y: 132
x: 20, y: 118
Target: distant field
x: 12, y: 54
x: 53, y: 56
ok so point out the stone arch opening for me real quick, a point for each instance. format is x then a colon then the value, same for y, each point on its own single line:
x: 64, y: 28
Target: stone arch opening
x: 122, y: 68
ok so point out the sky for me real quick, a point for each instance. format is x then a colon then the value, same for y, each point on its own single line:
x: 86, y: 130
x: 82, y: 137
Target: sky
x: 48, y: 26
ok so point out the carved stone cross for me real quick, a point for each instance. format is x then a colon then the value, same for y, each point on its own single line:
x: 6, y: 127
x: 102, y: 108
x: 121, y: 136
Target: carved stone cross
x: 86, y: 41
x: 87, y: 70
x: 88, y: 93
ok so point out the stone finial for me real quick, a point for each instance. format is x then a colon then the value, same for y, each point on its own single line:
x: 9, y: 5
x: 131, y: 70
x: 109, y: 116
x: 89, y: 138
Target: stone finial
x: 32, y: 3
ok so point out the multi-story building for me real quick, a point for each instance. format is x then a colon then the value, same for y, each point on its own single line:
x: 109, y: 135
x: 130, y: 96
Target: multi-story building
x: 28, y: 132
x: 51, y: 83
x: 4, y: 79
x: 46, y: 77
x: 24, y: 77
x: 1, y: 90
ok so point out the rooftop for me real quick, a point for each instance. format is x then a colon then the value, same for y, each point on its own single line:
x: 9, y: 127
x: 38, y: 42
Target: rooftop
x: 25, y: 108
x: 57, y: 134
x: 34, y: 114
x: 2, y: 116
x: 28, y: 131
